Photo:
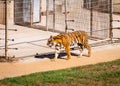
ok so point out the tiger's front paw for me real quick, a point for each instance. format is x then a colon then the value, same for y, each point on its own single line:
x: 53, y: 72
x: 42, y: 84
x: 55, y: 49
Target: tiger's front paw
x: 81, y: 54
x: 68, y: 58
x: 89, y: 55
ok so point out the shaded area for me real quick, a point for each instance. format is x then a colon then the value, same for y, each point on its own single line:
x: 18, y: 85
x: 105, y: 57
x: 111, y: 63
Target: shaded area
x: 51, y: 55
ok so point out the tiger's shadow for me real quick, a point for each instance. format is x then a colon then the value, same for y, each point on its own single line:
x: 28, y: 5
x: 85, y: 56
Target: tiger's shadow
x: 51, y: 55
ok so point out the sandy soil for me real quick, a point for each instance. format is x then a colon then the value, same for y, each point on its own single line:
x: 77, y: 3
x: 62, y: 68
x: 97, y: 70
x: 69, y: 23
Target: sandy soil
x: 99, y: 54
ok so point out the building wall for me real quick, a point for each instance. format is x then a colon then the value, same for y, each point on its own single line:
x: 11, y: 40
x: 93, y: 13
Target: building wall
x: 10, y: 12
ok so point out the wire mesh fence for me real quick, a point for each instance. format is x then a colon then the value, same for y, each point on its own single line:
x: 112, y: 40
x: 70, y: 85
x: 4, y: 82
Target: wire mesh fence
x: 91, y: 16
x: 2, y: 32
x: 100, y: 21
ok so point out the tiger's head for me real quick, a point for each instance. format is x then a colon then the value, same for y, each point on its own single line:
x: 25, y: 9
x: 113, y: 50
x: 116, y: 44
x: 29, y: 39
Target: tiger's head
x: 50, y: 41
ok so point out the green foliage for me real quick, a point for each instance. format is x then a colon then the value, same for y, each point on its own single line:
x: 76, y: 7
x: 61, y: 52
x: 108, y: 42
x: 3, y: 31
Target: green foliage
x: 100, y: 74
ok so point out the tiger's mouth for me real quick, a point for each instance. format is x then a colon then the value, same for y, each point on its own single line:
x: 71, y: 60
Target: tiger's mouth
x: 51, y: 44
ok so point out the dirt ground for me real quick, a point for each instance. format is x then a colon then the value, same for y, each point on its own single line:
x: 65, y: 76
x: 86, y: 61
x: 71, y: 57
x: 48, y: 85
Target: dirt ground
x: 31, y: 65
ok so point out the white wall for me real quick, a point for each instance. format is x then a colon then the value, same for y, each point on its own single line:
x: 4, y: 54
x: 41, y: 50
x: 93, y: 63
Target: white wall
x: 11, y: 13
x: 36, y: 10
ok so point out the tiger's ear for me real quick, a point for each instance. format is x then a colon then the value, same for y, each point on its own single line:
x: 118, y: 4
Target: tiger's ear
x: 51, y: 36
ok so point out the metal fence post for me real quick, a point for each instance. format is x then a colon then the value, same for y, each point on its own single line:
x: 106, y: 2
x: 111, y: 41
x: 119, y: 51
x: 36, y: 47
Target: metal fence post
x: 47, y: 13
x: 40, y: 9
x: 6, y: 29
x: 31, y: 13
x: 66, y: 27
x: 91, y: 17
x: 53, y: 15
x: 111, y: 20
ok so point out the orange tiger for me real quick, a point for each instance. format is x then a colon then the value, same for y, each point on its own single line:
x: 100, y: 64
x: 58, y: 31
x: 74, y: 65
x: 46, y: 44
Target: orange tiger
x: 68, y: 39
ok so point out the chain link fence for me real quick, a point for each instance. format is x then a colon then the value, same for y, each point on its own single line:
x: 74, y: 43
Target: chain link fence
x: 92, y: 16
x: 2, y: 26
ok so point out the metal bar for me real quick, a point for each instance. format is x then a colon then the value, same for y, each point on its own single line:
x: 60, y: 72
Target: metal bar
x: 14, y: 11
x: 116, y: 28
x: 40, y: 9
x: 66, y: 27
x: 10, y: 48
x: 6, y: 30
x: 91, y: 17
x: 47, y: 13
x: 71, y: 29
x: 111, y: 19
x: 9, y: 29
x: 98, y: 30
x: 116, y: 20
x: 7, y: 39
x: 31, y: 13
x: 53, y: 15
x: 70, y: 20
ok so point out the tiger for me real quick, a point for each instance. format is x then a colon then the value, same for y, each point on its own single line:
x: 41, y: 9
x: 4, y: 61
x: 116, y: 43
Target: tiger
x: 67, y: 39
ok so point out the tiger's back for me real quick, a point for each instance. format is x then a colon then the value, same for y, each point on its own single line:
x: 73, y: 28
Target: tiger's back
x: 77, y: 37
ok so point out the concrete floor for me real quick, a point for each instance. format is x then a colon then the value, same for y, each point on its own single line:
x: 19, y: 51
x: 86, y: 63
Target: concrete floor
x: 28, y: 41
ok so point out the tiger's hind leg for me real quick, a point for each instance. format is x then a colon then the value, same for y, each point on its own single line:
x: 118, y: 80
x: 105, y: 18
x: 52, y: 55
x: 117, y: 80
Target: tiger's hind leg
x: 88, y: 48
x: 81, y: 47
x: 67, y: 48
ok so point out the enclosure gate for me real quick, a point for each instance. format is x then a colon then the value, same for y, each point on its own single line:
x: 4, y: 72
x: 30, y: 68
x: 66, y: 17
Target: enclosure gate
x: 92, y: 16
